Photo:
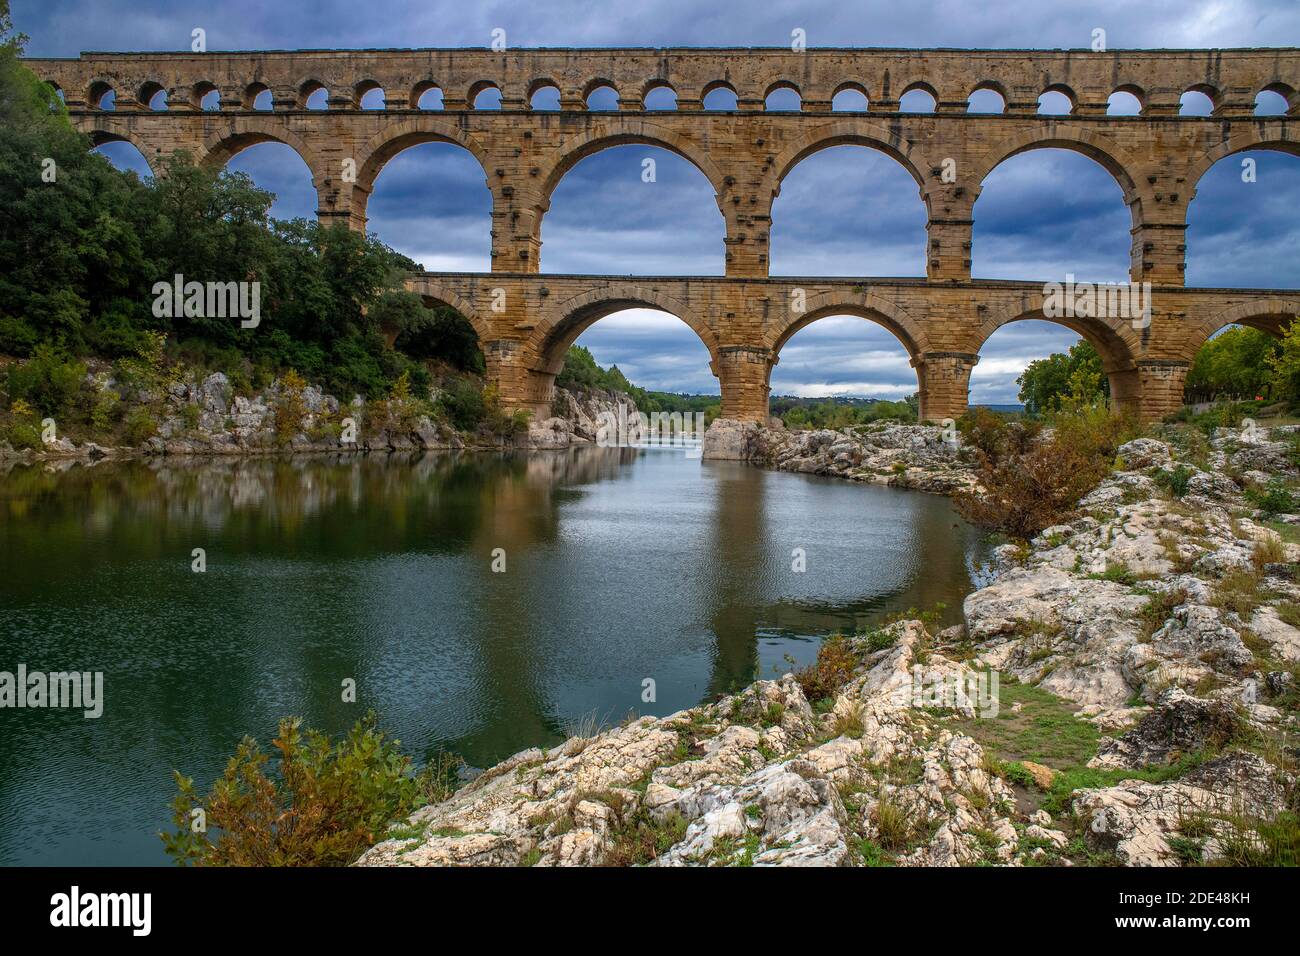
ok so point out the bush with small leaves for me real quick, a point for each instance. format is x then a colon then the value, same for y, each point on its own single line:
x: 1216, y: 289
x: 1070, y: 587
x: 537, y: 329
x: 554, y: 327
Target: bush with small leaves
x: 323, y: 805
x: 1275, y: 498
x: 1174, y: 481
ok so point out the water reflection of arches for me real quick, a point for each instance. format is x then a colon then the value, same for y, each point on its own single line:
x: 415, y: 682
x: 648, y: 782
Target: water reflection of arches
x: 738, y: 569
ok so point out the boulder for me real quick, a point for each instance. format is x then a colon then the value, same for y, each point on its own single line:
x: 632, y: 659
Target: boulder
x: 1180, y: 724
x: 728, y: 439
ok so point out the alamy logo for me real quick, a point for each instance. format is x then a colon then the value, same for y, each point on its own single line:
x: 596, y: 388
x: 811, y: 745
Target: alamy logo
x: 79, y: 690
x: 1098, y: 300
x: 74, y: 909
x: 685, y: 429
x: 208, y: 300
x: 972, y: 692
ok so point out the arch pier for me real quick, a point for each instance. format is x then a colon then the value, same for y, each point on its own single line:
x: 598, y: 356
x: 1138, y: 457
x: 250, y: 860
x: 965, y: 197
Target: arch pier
x: 1156, y: 156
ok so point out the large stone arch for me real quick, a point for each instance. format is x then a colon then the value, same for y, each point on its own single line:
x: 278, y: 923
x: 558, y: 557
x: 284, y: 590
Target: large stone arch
x: 1271, y: 315
x: 1105, y: 152
x: 1116, y: 340
x: 1254, y: 136
x: 611, y: 133
x: 233, y: 138
x: 542, y: 354
x: 606, y: 134
x: 98, y: 137
x: 560, y: 325
x: 397, y: 137
x: 910, y: 333
x: 847, y: 132
x: 430, y: 287
x: 896, y: 320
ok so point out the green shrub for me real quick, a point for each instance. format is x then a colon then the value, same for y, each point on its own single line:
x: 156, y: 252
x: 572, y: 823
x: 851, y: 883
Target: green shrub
x: 47, y: 380
x: 463, y: 403
x: 23, y: 435
x: 323, y: 805
x: 140, y: 426
x: 105, y: 410
x: 16, y: 336
x: 1273, y: 499
x: 290, y: 408
x: 1175, y: 481
x: 833, y: 669
x: 1031, y: 481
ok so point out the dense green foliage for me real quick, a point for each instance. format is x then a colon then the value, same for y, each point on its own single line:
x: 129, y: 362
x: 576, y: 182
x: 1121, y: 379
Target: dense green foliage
x: 1238, y: 364
x: 82, y: 245
x: 1076, y: 375
x: 582, y: 373
x: 1234, y: 364
x: 1284, y: 367
x: 323, y: 805
x: 841, y: 412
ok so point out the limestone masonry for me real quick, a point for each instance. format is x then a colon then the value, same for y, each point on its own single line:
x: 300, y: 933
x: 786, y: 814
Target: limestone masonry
x: 526, y: 321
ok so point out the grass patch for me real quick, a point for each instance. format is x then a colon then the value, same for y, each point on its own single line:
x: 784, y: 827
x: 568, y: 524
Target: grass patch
x: 643, y: 839
x: 1088, y: 778
x: 1157, y: 611
x: 1239, y: 591
x: 893, y: 824
x: 1045, y: 730
x: 1252, y: 841
x: 1289, y: 533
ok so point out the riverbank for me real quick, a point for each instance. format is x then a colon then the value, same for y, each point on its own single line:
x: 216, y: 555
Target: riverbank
x: 1146, y: 657
x: 922, y: 457
x: 205, y: 415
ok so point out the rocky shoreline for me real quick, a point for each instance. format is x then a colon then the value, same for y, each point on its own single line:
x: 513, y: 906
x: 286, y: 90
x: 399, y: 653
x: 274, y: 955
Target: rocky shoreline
x: 207, y: 418
x: 1156, y: 635
x: 921, y: 457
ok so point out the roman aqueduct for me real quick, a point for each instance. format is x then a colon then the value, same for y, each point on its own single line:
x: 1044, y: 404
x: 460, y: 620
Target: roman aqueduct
x: 218, y: 104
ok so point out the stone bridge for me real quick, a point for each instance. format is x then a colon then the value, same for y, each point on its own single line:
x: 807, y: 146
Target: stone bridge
x: 525, y: 320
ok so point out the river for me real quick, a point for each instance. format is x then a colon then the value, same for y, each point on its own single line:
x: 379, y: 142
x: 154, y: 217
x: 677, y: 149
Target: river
x: 619, y: 565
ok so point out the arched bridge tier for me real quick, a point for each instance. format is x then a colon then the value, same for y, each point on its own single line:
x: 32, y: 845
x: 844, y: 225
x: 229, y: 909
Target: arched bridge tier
x: 1157, y: 157
x: 525, y: 320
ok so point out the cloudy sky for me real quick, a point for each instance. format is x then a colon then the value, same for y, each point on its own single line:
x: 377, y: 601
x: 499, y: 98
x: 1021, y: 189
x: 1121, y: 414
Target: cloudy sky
x: 845, y: 211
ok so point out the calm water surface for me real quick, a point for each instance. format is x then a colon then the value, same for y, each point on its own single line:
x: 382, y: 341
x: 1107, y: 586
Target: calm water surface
x: 621, y: 564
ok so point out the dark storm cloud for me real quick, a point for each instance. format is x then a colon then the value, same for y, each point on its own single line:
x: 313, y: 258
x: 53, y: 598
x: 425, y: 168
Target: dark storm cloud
x: 65, y: 27
x: 605, y: 217
x: 432, y: 203
x: 845, y: 211
x: 848, y: 211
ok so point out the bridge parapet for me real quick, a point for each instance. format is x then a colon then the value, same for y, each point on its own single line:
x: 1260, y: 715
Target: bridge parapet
x: 1158, y: 78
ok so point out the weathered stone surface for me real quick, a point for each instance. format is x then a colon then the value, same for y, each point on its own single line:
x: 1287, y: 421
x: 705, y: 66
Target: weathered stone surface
x: 752, y: 779
x: 1136, y: 820
x: 1179, y: 725
x: 924, y: 457
x: 943, y: 321
x: 730, y: 440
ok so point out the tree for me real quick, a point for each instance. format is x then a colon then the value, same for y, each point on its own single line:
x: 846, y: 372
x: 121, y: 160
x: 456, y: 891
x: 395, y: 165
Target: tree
x: 1075, y: 376
x: 1234, y: 364
x: 1284, y: 367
